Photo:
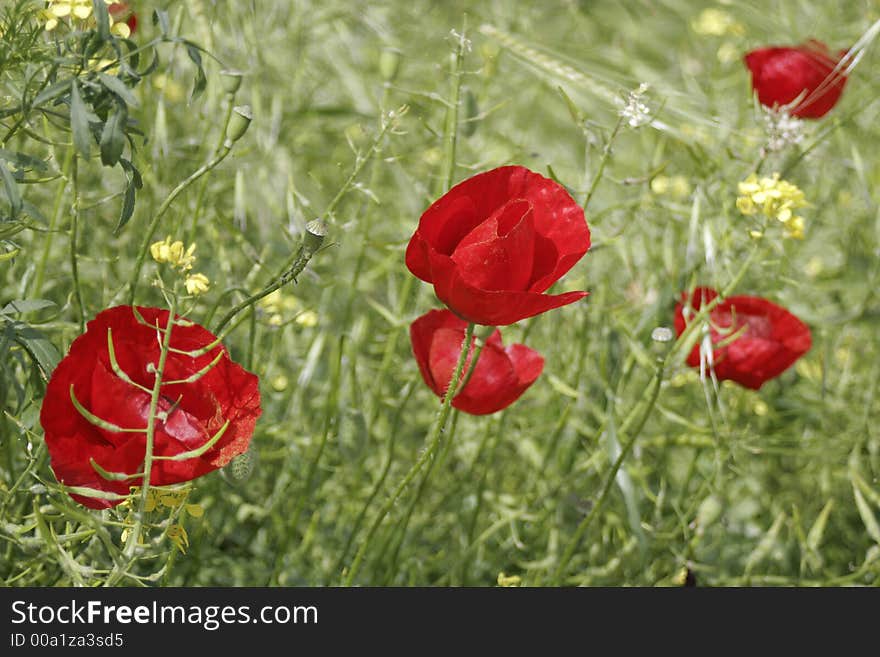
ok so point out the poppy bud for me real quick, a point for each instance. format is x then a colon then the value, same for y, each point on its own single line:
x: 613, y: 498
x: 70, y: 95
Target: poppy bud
x: 316, y: 230
x: 389, y: 63
x: 230, y: 80
x: 238, y: 123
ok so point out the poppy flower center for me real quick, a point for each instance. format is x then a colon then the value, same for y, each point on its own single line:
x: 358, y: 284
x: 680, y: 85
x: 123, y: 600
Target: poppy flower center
x: 499, y: 254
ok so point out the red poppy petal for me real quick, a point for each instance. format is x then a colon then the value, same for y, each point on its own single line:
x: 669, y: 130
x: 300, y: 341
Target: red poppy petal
x: 527, y: 363
x: 499, y: 253
x: 491, y: 308
x: 782, y: 74
x: 196, y: 409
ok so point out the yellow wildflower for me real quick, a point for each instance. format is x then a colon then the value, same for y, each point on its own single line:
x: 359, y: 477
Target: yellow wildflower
x: 197, y: 284
x: 716, y: 22
x: 309, y: 318
x: 173, y: 253
x: 775, y: 199
x: 508, y: 580
x: 80, y: 10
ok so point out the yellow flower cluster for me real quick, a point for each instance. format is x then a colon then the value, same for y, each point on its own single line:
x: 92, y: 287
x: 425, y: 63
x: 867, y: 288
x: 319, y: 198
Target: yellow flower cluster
x: 81, y: 10
x: 183, y: 259
x: 275, y: 305
x: 716, y: 22
x: 775, y: 199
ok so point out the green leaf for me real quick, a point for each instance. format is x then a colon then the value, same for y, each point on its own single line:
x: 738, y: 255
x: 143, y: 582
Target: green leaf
x: 51, y: 92
x: 79, y: 124
x: 25, y: 306
x: 868, y: 517
x: 102, y: 17
x: 11, y: 190
x: 113, y: 136
x: 201, y: 80
x: 133, y: 183
x: 117, y: 87
x: 23, y: 160
x: 814, y: 537
x: 38, y: 347
x: 160, y: 18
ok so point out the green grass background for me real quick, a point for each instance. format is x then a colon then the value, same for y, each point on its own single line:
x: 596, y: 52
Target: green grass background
x: 741, y: 487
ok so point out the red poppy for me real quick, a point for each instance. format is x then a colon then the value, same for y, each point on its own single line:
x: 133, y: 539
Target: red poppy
x: 120, y: 11
x: 190, y: 414
x: 502, y: 373
x: 493, y: 243
x: 806, y: 72
x: 764, y: 339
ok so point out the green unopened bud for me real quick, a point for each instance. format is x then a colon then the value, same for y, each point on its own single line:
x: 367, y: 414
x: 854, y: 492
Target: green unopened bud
x: 389, y: 63
x: 238, y: 123
x: 316, y: 230
x: 230, y: 80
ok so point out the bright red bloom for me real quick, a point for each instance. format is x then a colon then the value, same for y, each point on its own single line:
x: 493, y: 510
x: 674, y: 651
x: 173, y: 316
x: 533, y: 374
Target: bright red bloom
x: 502, y: 373
x: 772, y: 339
x: 782, y: 74
x: 120, y: 11
x: 493, y: 243
x: 190, y: 413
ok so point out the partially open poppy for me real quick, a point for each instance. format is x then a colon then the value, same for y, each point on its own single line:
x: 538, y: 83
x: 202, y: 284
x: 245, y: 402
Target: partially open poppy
x: 781, y: 75
x: 494, y: 243
x: 754, y: 340
x: 501, y: 376
x: 98, y: 399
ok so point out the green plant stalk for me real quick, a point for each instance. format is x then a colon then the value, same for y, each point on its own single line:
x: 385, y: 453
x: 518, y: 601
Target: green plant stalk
x: 53, y: 222
x: 450, y: 129
x: 218, y: 156
x: 653, y: 392
x: 197, y: 211
x: 330, y: 411
x: 74, y: 234
x: 397, y: 536
x: 134, y: 536
x: 297, y: 262
x: 606, y: 155
x: 380, y: 482
x: 433, y: 443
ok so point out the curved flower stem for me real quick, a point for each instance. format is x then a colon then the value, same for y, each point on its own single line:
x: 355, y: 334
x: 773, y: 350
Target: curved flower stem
x: 450, y: 129
x: 606, y: 155
x: 650, y: 395
x: 649, y: 398
x: 427, y: 454
x: 134, y: 536
x: 197, y: 211
x: 53, y: 222
x: 74, y: 234
x: 220, y: 153
x: 297, y: 262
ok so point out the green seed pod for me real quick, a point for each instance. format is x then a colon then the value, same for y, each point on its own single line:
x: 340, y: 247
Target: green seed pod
x: 238, y: 123
x: 230, y: 80
x: 241, y: 467
x: 389, y: 63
